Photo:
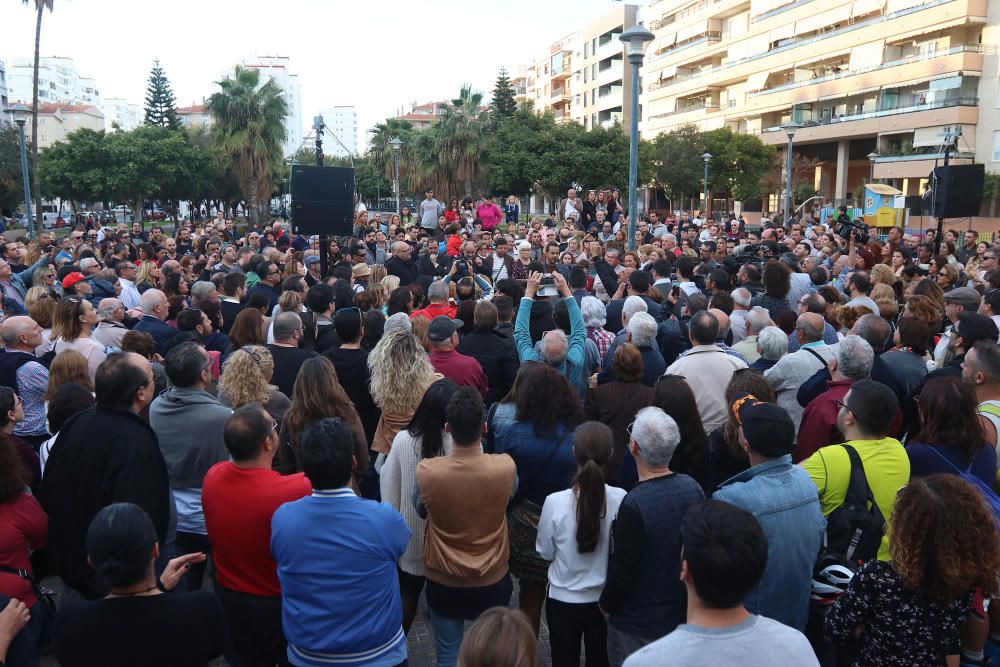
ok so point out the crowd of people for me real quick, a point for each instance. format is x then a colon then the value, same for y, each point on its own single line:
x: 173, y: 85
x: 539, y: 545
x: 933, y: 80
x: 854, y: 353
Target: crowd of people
x: 767, y: 444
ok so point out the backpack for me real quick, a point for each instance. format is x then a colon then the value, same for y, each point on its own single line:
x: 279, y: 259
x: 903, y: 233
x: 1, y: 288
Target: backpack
x: 989, y: 495
x: 854, y: 530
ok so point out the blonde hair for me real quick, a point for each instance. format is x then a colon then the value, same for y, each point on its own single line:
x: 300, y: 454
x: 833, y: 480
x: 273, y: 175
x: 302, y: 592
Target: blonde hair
x: 145, y: 273
x: 34, y: 295
x: 290, y: 302
x: 378, y: 273
x: 400, y: 372
x: 378, y: 295
x: 68, y: 367
x: 390, y: 283
x: 882, y: 274
x: 246, y: 374
x: 885, y: 298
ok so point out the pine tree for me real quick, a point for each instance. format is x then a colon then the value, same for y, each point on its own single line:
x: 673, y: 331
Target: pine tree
x: 503, y: 105
x: 160, y: 109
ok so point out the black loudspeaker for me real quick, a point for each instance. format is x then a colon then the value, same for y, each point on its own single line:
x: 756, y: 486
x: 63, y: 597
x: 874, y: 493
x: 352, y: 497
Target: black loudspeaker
x: 959, y: 190
x: 323, y: 200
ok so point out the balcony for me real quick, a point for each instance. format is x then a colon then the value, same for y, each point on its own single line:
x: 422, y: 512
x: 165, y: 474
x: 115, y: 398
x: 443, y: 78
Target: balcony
x: 611, y: 48
x: 612, y: 74
x: 704, y: 106
x: 973, y: 62
x: 559, y: 95
x: 915, y: 165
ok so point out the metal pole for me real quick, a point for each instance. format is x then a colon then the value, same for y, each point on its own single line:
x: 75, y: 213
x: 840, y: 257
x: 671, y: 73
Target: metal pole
x: 24, y: 175
x: 395, y: 181
x: 324, y: 244
x: 788, y: 185
x: 706, y: 190
x: 633, y: 149
x: 937, y: 181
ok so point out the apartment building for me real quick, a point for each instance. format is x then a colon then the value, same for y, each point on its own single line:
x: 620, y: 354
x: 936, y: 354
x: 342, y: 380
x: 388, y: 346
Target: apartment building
x: 59, y: 80
x: 4, y: 99
x: 277, y: 68
x: 342, y: 122
x: 873, y: 83
x: 55, y: 121
x: 121, y: 112
x: 582, y: 76
x: 194, y: 116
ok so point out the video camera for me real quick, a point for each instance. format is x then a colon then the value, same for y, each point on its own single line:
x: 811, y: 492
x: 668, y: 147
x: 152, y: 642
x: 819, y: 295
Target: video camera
x: 853, y: 229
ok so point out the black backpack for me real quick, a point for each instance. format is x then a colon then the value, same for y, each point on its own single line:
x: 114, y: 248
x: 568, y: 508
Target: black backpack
x: 854, y: 530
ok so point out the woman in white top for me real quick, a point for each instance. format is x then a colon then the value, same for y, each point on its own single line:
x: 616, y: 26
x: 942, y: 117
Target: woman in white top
x: 72, y: 326
x: 423, y: 438
x: 574, y: 532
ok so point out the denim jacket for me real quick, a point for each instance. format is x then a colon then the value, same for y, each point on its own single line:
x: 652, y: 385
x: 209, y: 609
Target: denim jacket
x: 784, y: 500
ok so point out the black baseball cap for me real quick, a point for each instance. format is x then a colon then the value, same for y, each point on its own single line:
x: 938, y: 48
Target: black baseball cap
x: 442, y: 327
x: 767, y: 427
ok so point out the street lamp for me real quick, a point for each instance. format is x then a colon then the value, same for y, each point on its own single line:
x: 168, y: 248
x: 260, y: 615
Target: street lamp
x: 20, y: 113
x: 706, y: 157
x: 789, y: 129
x: 636, y: 39
x: 397, y: 146
x: 871, y: 158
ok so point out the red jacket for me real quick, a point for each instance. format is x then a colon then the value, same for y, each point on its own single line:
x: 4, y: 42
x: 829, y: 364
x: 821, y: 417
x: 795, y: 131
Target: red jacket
x: 454, y: 246
x: 436, y: 309
x: 819, y: 421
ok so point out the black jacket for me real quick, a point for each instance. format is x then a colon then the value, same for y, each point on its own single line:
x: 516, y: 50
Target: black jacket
x: 405, y: 271
x: 102, y: 456
x: 497, y: 354
x: 355, y: 378
x: 614, y: 312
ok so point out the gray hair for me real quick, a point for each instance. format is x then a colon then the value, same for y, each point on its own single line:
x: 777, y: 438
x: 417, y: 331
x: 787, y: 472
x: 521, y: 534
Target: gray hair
x: 201, y: 289
x: 107, y: 307
x: 595, y: 315
x: 657, y: 435
x: 855, y: 358
x: 150, y: 299
x: 13, y: 327
x: 642, y: 328
x: 88, y: 262
x: 758, y: 319
x: 742, y: 296
x: 554, y: 347
x: 772, y: 343
x: 437, y: 291
x: 285, y: 325
x: 633, y: 304
x: 398, y: 321
x: 613, y: 252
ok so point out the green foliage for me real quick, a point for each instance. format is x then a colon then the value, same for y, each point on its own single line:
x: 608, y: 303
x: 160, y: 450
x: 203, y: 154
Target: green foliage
x: 160, y: 103
x: 802, y: 192
x: 991, y: 186
x: 11, y: 182
x: 503, y: 105
x: 77, y: 168
x: 250, y: 131
x: 739, y: 162
x: 677, y: 163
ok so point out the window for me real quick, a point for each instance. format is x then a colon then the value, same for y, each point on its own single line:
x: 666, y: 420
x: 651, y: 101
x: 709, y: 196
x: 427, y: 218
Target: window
x: 593, y: 71
x: 585, y: 74
x: 996, y: 146
x: 586, y: 49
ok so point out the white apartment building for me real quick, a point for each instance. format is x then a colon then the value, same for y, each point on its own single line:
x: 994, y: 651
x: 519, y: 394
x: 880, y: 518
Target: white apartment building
x: 4, y: 99
x: 342, y: 122
x: 59, y: 81
x: 277, y: 69
x: 120, y: 111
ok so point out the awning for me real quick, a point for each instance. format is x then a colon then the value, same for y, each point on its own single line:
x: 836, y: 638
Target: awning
x: 840, y: 95
x: 862, y: 7
x: 867, y: 56
x: 782, y: 32
x: 737, y: 51
x: 757, y: 45
x: 893, y: 6
x: 934, y: 136
x: 826, y: 55
x: 928, y: 29
x: 756, y: 81
x: 696, y: 29
x: 882, y: 189
x: 825, y: 18
x: 668, y: 72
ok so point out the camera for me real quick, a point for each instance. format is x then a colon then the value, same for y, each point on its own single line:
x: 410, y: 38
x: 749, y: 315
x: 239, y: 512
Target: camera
x: 856, y: 230
x: 461, y: 266
x: 547, y: 286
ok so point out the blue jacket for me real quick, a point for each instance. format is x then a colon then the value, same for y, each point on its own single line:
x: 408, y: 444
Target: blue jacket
x: 544, y: 465
x: 161, y: 332
x: 336, y: 555
x: 574, y: 368
x: 784, y: 500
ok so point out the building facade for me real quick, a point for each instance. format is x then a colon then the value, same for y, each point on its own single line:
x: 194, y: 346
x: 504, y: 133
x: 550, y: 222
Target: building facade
x: 277, y: 69
x: 342, y: 122
x: 874, y: 84
x: 4, y: 98
x: 194, y: 116
x: 121, y: 112
x: 59, y: 81
x: 55, y: 121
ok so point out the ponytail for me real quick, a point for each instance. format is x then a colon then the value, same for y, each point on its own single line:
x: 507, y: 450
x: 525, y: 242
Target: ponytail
x: 590, y: 507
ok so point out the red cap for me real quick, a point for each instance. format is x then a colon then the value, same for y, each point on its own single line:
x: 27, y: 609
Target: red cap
x: 72, y: 279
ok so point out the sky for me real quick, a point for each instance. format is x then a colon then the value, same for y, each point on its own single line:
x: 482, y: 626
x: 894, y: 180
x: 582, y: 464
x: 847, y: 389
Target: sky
x: 377, y: 55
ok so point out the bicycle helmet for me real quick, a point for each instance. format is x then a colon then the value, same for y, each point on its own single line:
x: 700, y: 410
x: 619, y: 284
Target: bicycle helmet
x: 829, y: 583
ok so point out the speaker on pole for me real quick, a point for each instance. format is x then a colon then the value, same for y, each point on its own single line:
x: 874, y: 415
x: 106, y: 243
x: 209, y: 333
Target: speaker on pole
x: 322, y: 200
x: 959, y: 190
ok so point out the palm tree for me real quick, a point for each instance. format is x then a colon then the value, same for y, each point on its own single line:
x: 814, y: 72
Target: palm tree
x: 250, y: 130
x: 39, y: 6
x: 378, y: 147
x: 462, y: 135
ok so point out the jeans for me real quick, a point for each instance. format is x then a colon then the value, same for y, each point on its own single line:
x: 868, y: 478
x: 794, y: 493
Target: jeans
x: 568, y: 623
x: 448, y: 633
x: 23, y: 651
x: 188, y: 543
x: 255, y: 637
x: 622, y: 645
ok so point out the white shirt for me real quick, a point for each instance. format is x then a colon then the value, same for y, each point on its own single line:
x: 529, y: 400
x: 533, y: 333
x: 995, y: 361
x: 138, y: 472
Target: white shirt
x: 501, y: 273
x: 575, y: 577
x: 130, y: 296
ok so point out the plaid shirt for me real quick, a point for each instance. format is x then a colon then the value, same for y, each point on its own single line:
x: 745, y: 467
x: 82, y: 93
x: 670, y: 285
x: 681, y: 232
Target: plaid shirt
x: 602, y: 339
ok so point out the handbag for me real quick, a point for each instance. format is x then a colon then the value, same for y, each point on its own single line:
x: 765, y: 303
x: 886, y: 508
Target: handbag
x: 45, y: 595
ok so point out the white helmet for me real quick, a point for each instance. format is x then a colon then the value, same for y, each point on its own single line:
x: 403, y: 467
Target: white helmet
x: 829, y: 583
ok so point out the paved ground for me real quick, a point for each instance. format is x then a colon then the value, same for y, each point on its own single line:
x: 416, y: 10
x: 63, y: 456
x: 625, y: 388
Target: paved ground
x: 420, y: 640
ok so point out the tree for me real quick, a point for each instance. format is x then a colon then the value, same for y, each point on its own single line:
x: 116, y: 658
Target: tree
x: 503, y: 105
x: 379, y: 148
x: 250, y: 130
x: 738, y: 164
x: 160, y: 103
x: 11, y: 183
x: 676, y: 161
x: 77, y: 169
x: 39, y: 6
x: 461, y: 136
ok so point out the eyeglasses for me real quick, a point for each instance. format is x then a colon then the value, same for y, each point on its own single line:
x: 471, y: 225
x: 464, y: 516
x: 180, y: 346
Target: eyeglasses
x: 841, y: 405
x: 275, y: 272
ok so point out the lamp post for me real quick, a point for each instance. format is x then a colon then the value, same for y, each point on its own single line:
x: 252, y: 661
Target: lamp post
x: 635, y: 39
x: 19, y: 112
x: 397, y: 146
x: 318, y: 126
x: 789, y: 129
x: 706, y: 157
x: 871, y: 158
